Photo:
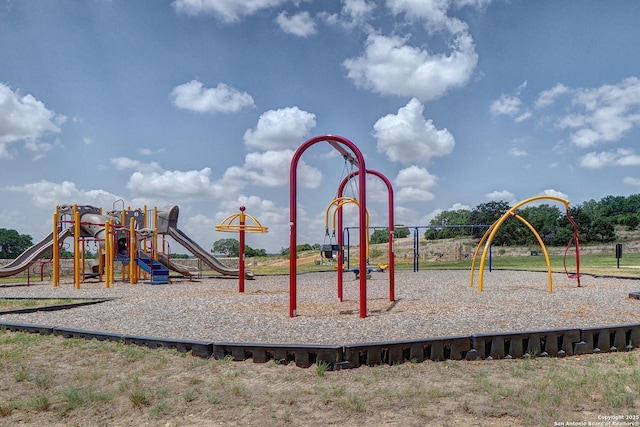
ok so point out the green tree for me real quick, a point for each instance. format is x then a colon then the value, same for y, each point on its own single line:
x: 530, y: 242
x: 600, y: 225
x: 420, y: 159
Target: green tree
x: 631, y: 221
x: 301, y: 248
x: 229, y: 247
x: 488, y: 213
x: 13, y: 244
x: 401, y: 232
x: 251, y: 252
x: 379, y: 236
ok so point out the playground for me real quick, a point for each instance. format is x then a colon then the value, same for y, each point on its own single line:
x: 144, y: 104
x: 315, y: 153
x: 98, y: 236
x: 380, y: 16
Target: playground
x: 355, y: 320
x: 429, y: 304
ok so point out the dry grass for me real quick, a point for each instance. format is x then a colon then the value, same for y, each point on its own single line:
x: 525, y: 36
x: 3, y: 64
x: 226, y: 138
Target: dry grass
x: 47, y: 380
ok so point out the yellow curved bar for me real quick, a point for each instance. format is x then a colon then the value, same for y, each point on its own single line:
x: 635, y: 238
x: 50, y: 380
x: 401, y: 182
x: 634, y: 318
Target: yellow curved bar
x: 227, y: 224
x: 336, y: 201
x: 345, y: 202
x: 544, y: 249
x: 475, y: 254
x: 496, y: 226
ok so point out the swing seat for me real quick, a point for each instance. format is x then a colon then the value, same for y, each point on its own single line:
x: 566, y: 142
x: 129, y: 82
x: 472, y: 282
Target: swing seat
x: 329, y: 251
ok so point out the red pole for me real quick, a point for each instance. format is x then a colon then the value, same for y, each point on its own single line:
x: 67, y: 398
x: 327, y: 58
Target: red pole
x: 241, y: 251
x: 293, y: 207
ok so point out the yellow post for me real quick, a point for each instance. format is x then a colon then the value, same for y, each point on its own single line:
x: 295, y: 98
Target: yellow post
x: 132, y: 253
x: 108, y: 257
x: 154, y: 241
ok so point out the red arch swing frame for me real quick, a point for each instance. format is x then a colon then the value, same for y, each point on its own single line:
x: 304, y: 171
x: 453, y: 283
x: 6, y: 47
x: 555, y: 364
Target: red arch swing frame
x: 336, y: 142
x: 341, y: 187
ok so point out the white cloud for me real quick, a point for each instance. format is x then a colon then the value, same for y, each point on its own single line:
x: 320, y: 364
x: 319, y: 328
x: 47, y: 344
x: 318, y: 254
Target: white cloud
x: 193, y: 96
x: 270, y: 169
x: 408, y: 138
x: 478, y: 4
x: 301, y: 24
x: 124, y: 163
x: 227, y: 10
x: 391, y: 67
x: 555, y: 193
x: 517, y: 152
x: 357, y: 10
x: 49, y: 194
x: 174, y: 185
x: 279, y: 129
x: 524, y: 116
x: 506, y: 105
x: 548, y: 97
x: 631, y: 181
x: 414, y: 176
x: 434, y: 13
x: 414, y: 183
x: 24, y: 118
x: 503, y: 195
x: 619, y: 157
x: 609, y: 112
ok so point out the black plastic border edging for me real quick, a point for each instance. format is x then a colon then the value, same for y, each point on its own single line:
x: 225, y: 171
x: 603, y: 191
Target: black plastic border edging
x: 545, y: 343
x: 89, y: 301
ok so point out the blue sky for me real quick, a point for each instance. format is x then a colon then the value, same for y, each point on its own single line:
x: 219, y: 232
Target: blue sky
x: 201, y: 103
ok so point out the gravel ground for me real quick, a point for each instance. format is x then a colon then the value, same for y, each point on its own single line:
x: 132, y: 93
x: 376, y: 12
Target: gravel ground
x: 428, y: 304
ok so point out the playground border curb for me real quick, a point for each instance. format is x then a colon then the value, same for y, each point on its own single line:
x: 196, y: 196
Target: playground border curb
x: 509, y: 345
x: 88, y: 301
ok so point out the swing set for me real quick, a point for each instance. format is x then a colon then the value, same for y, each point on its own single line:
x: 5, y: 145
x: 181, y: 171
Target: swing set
x: 331, y: 249
x: 489, y: 235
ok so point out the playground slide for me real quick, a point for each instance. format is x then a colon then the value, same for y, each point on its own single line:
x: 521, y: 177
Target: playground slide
x: 36, y: 251
x: 205, y: 256
x: 184, y: 270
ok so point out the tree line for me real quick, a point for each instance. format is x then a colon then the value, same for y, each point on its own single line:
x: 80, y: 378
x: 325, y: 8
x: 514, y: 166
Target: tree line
x: 596, y: 221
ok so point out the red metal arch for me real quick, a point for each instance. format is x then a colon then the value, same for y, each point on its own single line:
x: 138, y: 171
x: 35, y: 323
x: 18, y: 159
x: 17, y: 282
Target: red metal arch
x: 335, y: 141
x: 390, y: 228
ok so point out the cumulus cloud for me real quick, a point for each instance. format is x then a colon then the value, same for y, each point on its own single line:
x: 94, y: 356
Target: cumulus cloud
x: 301, y: 24
x: 124, y: 163
x: 503, y: 195
x: 631, y: 181
x: 555, y: 193
x: 280, y: 129
x: 271, y: 169
x: 506, y: 105
x: 413, y: 183
x: 227, y: 10
x: 391, y: 67
x: 608, y: 113
x: 357, y: 10
x: 619, y: 157
x: 174, y: 185
x: 48, y: 194
x: 193, y: 96
x: 433, y: 13
x: 407, y: 137
x: 25, y: 118
x: 548, y: 97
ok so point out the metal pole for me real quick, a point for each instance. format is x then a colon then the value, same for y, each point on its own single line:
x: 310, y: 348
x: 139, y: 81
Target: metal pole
x: 241, y: 252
